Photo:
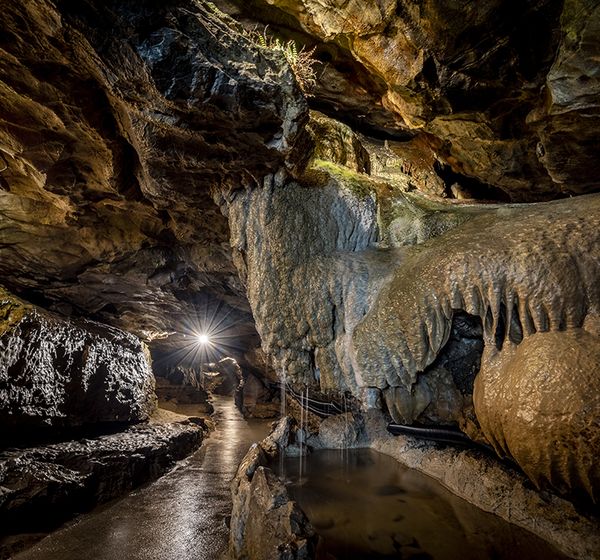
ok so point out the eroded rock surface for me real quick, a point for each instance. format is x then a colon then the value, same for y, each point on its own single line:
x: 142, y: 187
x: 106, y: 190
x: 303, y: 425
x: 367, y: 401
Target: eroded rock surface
x: 58, y: 373
x: 118, y: 122
x: 359, y: 308
x: 339, y: 431
x: 118, y: 149
x: 503, y: 94
x: 539, y: 402
x: 41, y: 487
x: 534, y: 272
x: 265, y: 523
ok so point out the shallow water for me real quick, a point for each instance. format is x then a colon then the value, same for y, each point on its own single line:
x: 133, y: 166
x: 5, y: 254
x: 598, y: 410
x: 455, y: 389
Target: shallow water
x: 365, y: 505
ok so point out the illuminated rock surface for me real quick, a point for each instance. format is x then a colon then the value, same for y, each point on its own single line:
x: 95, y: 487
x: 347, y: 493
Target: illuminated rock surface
x: 154, y: 158
x: 183, y: 515
x: 43, y: 486
x: 504, y: 94
x: 118, y: 125
x: 58, y: 373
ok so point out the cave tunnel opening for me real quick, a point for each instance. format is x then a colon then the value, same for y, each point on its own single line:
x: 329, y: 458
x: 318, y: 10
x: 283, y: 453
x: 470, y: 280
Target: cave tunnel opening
x: 216, y: 351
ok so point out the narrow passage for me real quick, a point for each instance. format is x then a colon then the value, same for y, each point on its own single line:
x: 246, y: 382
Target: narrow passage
x: 181, y: 516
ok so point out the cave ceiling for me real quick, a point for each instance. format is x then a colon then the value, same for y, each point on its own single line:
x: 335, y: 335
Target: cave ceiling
x: 123, y: 125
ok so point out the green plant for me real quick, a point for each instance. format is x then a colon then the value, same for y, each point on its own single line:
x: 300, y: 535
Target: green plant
x: 300, y: 60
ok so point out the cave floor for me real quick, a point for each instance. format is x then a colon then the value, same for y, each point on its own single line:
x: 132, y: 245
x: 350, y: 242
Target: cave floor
x: 180, y: 516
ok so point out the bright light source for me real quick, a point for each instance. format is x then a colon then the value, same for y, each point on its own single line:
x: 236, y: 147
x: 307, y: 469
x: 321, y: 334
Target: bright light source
x: 203, y: 339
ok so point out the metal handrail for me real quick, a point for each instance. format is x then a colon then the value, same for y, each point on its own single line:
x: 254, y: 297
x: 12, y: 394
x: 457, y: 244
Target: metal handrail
x: 324, y: 409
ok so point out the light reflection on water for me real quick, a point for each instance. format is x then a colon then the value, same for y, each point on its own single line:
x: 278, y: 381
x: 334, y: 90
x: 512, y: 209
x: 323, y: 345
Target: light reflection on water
x: 365, y: 505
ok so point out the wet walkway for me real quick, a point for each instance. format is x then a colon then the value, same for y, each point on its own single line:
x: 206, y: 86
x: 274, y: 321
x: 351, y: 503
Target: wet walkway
x: 181, y: 516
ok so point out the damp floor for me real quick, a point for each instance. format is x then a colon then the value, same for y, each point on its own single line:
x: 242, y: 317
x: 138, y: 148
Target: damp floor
x: 181, y: 516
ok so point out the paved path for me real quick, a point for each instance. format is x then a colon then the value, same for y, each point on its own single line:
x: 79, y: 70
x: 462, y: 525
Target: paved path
x: 181, y: 516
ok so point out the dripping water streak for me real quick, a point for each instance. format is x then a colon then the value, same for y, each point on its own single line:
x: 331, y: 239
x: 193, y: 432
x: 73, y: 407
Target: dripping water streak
x: 299, y: 436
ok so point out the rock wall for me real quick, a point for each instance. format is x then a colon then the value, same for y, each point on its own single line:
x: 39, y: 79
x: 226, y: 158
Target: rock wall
x: 57, y: 373
x: 118, y: 121
x: 355, y: 285
x: 504, y: 94
x: 125, y: 129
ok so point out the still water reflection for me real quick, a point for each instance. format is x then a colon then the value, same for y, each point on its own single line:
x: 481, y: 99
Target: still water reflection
x: 365, y: 505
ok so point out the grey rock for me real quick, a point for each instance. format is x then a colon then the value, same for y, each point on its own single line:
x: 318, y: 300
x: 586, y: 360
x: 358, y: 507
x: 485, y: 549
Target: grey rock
x: 265, y: 523
x: 339, y: 432
x: 43, y: 486
x: 65, y: 373
x: 182, y: 394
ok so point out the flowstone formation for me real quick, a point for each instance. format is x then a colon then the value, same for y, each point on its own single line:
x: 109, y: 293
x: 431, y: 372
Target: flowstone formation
x: 531, y: 275
x: 359, y: 286
x: 539, y: 402
x: 154, y: 156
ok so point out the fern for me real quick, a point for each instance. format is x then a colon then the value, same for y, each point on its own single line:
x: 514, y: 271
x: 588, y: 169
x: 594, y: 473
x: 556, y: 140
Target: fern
x: 300, y: 60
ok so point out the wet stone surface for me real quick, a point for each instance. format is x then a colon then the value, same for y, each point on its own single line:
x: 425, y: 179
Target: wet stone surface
x: 181, y: 516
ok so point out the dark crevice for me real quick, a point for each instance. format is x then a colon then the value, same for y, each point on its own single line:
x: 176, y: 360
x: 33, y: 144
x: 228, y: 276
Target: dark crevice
x: 360, y: 124
x: 461, y: 355
x: 458, y: 185
x: 500, y: 333
x: 515, y: 333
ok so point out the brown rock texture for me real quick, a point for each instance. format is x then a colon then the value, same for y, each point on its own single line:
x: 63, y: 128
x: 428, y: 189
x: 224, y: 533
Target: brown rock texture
x: 153, y: 157
x: 58, y: 373
x: 539, y: 402
x: 505, y: 94
x: 524, y: 272
x: 119, y: 122
x: 355, y: 286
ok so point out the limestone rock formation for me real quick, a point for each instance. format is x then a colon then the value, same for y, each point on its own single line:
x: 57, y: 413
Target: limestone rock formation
x: 265, y: 523
x: 223, y: 377
x: 65, y: 373
x: 539, y: 402
x: 43, y: 486
x: 119, y: 121
x: 153, y: 157
x: 505, y: 95
x: 339, y: 431
x: 355, y: 285
x: 176, y: 394
x: 523, y: 272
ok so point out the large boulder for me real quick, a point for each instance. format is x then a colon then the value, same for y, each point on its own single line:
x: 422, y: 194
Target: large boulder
x: 62, y: 373
x: 339, y: 431
x: 223, y: 377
